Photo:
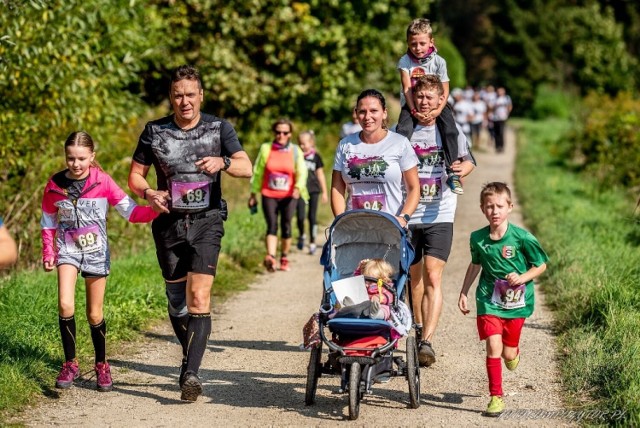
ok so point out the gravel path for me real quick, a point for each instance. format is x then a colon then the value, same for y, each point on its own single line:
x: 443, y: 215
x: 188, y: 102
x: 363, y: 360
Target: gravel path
x: 254, y: 372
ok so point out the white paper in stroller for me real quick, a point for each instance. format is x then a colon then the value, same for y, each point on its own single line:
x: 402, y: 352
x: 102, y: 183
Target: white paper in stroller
x: 352, y: 287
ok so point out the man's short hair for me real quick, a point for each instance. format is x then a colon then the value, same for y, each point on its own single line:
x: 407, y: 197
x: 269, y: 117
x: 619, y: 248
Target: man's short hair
x: 187, y: 72
x: 428, y: 82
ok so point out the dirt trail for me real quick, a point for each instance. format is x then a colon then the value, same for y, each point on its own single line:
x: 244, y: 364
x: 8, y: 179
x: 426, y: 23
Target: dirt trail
x: 254, y: 372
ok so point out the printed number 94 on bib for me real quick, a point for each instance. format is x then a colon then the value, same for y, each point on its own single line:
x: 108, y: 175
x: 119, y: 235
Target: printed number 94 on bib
x: 508, y: 297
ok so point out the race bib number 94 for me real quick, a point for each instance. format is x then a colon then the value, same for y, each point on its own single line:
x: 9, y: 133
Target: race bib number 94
x: 374, y: 202
x: 508, y: 297
x: 83, y: 240
x: 190, y: 196
x: 430, y: 189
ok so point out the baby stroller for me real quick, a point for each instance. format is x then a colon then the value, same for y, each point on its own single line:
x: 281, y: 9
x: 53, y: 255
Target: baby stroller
x: 361, y: 349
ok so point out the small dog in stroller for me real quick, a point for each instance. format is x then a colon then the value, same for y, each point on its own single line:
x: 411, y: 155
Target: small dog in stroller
x: 365, y: 332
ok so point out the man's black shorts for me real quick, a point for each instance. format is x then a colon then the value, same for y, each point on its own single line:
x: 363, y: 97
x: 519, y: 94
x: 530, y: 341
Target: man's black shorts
x: 185, y: 244
x: 432, y: 240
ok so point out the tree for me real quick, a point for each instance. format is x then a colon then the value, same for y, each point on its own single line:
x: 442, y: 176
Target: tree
x: 64, y: 66
x: 268, y: 58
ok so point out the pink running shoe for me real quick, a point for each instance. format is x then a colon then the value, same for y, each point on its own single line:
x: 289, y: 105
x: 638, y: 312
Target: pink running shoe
x: 70, y: 372
x: 284, y: 264
x: 103, y: 376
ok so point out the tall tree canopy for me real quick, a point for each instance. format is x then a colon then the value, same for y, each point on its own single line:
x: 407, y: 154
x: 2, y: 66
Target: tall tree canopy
x: 520, y: 44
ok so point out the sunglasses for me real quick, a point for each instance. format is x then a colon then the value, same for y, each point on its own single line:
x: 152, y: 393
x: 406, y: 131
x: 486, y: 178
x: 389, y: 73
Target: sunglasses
x: 282, y: 132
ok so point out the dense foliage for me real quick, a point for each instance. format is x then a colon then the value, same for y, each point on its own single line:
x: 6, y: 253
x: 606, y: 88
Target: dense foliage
x: 277, y: 57
x: 607, y: 140
x: 519, y: 45
x: 64, y: 65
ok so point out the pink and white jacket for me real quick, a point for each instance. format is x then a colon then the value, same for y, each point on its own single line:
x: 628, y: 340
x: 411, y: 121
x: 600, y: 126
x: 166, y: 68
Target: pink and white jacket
x: 75, y: 231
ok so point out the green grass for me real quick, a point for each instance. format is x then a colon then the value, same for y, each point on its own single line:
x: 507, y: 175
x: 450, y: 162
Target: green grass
x: 593, y: 241
x: 31, y: 351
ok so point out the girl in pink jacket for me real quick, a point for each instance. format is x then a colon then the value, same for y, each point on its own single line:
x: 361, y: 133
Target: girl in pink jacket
x: 74, y: 239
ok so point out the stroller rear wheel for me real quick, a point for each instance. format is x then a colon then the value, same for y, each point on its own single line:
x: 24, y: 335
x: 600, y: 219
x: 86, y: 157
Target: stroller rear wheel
x: 413, y: 373
x: 354, y: 391
x: 313, y: 373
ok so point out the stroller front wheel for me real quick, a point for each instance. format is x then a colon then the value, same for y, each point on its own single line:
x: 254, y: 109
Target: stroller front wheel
x: 413, y: 373
x: 354, y: 391
x: 313, y: 373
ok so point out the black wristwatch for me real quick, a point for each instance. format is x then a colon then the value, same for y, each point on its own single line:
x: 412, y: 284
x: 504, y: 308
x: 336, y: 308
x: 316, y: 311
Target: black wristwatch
x: 406, y: 217
x: 227, y: 162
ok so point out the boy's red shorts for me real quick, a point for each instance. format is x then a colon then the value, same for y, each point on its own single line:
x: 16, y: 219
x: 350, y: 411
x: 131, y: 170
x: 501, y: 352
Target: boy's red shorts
x: 508, y: 328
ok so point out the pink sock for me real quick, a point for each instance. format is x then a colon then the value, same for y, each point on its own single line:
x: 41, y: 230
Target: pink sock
x: 494, y: 372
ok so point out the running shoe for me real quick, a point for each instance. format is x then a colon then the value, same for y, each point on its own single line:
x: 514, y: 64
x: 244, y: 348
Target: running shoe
x: 191, y: 387
x: 103, y: 377
x: 300, y: 242
x: 70, y: 372
x: 455, y: 184
x: 495, y: 407
x: 426, y: 354
x: 284, y: 264
x: 513, y: 364
x: 312, y: 249
x: 270, y: 263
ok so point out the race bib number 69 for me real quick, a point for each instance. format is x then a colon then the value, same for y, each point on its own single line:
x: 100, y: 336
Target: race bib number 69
x: 83, y: 240
x: 190, y: 196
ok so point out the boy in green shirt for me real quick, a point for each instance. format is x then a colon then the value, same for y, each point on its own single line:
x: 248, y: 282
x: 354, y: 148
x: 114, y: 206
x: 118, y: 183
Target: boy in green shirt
x: 509, y: 258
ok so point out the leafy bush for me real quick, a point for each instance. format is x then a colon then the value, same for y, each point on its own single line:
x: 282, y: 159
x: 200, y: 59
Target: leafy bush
x: 63, y: 67
x: 607, y: 139
x: 455, y: 63
x: 553, y: 103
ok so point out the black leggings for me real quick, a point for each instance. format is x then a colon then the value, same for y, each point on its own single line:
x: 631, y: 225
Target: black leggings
x: 286, y: 208
x: 313, y: 215
x: 498, y: 129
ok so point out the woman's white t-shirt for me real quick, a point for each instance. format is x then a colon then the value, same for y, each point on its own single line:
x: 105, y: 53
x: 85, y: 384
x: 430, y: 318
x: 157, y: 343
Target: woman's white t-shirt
x: 373, y: 172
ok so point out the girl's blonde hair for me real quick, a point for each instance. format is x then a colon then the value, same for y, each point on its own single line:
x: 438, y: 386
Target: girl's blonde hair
x: 377, y: 268
x: 310, y: 134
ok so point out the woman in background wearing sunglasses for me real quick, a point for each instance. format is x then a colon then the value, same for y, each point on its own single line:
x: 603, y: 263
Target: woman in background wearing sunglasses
x: 280, y: 176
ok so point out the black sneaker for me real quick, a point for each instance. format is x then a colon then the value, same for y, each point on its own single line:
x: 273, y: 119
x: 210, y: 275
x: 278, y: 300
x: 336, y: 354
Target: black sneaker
x: 191, y: 387
x: 426, y: 354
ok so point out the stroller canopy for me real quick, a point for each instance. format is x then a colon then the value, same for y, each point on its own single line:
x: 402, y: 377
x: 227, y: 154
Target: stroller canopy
x: 365, y: 234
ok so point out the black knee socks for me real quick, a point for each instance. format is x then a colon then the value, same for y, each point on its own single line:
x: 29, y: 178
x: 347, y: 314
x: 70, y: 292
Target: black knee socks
x: 198, y: 331
x: 179, y: 325
x: 68, y: 335
x: 99, y: 339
